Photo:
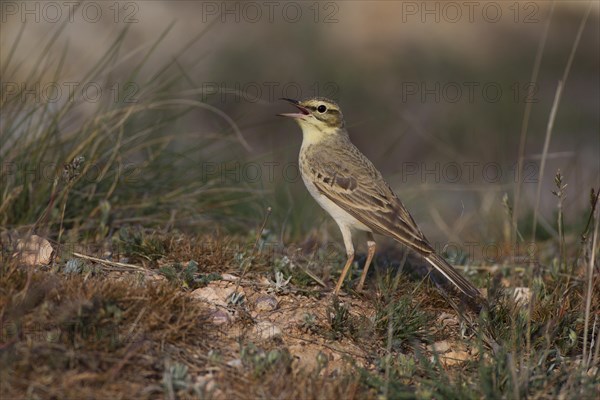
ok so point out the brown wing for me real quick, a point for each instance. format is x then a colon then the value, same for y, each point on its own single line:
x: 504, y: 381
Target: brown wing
x: 351, y: 181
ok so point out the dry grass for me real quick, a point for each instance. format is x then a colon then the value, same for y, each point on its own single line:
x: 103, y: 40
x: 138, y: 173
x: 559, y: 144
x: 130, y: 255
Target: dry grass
x: 82, y: 336
x: 106, y: 333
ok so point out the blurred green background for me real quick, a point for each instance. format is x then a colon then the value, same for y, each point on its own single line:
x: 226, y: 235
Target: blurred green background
x: 434, y: 93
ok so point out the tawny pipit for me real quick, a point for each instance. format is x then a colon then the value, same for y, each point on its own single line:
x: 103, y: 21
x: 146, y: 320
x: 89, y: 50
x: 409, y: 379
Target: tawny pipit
x: 347, y: 185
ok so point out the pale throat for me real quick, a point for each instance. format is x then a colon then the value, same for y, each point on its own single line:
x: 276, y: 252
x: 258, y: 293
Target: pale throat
x: 312, y: 134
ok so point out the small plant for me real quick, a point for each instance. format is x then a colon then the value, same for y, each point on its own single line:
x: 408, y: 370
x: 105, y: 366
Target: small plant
x: 408, y: 321
x: 188, y: 276
x: 193, y: 280
x: 74, y: 266
x: 261, y: 362
x: 407, y: 365
x: 204, y: 279
x: 169, y: 272
x: 560, y: 194
x: 281, y: 281
x: 395, y: 385
x: 298, y: 275
x: 135, y: 243
x: 236, y: 299
x: 322, y: 362
x: 175, y: 378
x: 190, y: 272
x: 340, y: 320
x: 309, y: 323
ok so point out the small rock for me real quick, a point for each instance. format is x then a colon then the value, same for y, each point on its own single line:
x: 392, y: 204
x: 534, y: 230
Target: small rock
x: 221, y: 317
x: 229, y: 278
x: 210, y: 294
x: 450, y: 353
x: 266, y: 303
x: 439, y: 347
x: 236, y: 363
x: 264, y: 281
x: 266, y: 330
x: 454, y: 357
x: 34, y: 251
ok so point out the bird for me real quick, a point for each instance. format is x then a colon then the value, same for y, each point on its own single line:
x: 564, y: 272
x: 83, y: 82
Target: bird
x: 346, y: 184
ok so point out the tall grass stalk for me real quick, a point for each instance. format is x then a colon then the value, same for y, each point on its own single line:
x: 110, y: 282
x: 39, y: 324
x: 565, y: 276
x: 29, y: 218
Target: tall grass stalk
x: 589, y: 291
x: 548, y: 135
x: 560, y: 195
x: 525, y: 124
x: 553, y: 111
x: 549, y: 127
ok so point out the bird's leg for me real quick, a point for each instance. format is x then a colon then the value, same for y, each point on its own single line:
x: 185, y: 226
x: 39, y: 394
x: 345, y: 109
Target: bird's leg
x: 370, y: 254
x: 347, y: 235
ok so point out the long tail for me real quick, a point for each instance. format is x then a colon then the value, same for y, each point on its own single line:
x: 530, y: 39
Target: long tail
x: 453, y: 276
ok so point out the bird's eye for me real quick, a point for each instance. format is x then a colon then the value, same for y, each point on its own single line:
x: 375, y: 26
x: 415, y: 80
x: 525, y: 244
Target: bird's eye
x: 322, y: 109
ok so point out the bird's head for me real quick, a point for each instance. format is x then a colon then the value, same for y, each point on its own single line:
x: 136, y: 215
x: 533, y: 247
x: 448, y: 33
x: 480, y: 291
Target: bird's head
x: 317, y: 115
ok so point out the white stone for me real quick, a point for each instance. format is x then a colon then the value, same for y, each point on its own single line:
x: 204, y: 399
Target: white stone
x: 34, y: 251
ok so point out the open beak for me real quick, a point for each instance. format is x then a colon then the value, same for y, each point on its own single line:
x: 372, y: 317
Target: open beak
x: 303, y: 111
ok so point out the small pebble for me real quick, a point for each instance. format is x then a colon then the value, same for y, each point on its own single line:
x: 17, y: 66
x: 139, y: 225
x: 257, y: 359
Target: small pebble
x: 236, y: 363
x: 221, y: 317
x: 266, y: 303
